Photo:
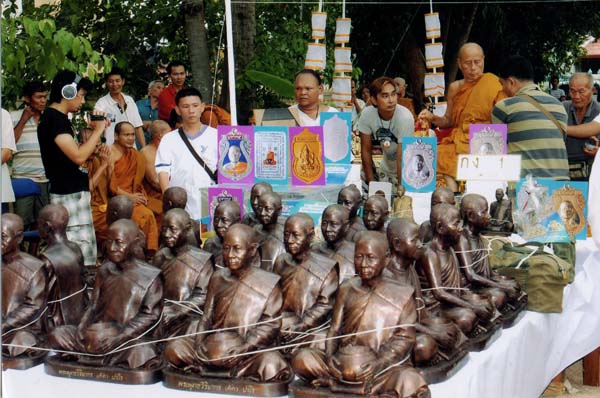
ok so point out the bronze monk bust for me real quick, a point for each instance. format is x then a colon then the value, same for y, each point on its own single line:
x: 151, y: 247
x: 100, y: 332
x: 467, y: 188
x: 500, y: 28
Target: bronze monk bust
x: 226, y: 214
x: 270, y: 228
x: 402, y: 207
x: 376, y: 213
x: 176, y: 198
x: 501, y: 214
x: 120, y: 207
x: 63, y: 260
x: 308, y: 279
x: 251, y: 218
x: 185, y: 274
x: 439, y: 195
x: 24, y: 283
x: 334, y: 226
x: 351, y: 198
x: 247, y: 301
x: 377, y: 317
x: 126, y: 303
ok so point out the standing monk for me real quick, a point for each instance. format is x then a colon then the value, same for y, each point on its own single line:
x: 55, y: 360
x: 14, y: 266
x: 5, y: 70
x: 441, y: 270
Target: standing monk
x: 158, y: 129
x: 470, y: 100
x: 129, y: 168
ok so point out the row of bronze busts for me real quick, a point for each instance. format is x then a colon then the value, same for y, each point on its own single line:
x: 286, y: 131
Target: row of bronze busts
x: 262, y: 301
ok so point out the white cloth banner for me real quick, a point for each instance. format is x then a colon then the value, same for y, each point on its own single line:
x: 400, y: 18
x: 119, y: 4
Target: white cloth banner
x: 315, y: 56
x: 342, y: 30
x: 432, y: 25
x: 341, y: 89
x: 319, y: 21
x: 433, y: 55
x: 435, y: 85
x: 343, y: 63
x: 440, y: 109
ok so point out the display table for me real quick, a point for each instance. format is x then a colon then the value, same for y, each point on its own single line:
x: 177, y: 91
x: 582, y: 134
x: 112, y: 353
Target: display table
x: 520, y: 363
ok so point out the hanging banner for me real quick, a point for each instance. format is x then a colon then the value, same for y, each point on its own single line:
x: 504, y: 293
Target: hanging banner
x: 433, y: 55
x: 341, y: 89
x: 343, y: 63
x: 319, y: 21
x: 315, y: 56
x: 435, y: 85
x: 432, y: 26
x: 342, y: 30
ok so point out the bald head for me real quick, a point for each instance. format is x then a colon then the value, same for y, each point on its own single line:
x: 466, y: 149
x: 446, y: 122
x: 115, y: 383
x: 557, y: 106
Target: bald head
x: 127, y: 227
x: 442, y: 195
x: 12, y: 234
x: 336, y: 209
x: 350, y: 197
x: 471, y: 62
x: 245, y: 232
x: 470, y: 49
x: 585, y: 79
x: 174, y: 197
x: 13, y: 222
x: 179, y: 215
x: 158, y: 128
x: 56, y: 215
x: 119, y: 207
x: 377, y: 200
x: 229, y: 207
x: 301, y: 219
x: 400, y: 228
x: 471, y: 202
x: 373, y: 238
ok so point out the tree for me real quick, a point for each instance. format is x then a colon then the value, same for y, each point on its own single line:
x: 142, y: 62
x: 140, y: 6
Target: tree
x: 197, y: 44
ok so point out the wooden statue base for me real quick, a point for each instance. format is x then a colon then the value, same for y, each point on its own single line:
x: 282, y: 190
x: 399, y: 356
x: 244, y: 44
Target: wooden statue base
x: 74, y: 370
x: 483, y: 335
x: 443, y: 366
x: 22, y: 362
x: 179, y: 380
x: 512, y: 310
x: 300, y: 389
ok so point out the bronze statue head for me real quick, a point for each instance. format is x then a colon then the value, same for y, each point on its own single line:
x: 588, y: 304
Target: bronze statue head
x: 474, y: 211
x: 442, y: 195
x: 119, y: 207
x: 445, y: 222
x: 174, y: 197
x: 12, y: 233
x: 371, y: 255
x: 351, y: 198
x: 269, y: 208
x: 122, y: 240
x: 257, y: 190
x: 375, y: 212
x: 499, y: 194
x: 403, y: 238
x: 334, y: 223
x: 226, y: 214
x: 239, y: 247
x: 298, y: 233
x: 175, y: 228
x: 53, y: 219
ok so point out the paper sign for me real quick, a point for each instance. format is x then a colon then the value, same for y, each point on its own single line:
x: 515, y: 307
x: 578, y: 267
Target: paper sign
x: 489, y: 167
x: 271, y: 154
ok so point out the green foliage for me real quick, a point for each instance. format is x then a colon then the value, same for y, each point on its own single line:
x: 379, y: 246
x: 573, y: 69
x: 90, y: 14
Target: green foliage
x: 281, y: 87
x: 35, y: 50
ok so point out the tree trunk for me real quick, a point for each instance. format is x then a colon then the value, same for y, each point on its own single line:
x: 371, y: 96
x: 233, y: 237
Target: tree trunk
x: 469, y: 19
x: 195, y: 32
x: 244, y: 34
x: 413, y: 57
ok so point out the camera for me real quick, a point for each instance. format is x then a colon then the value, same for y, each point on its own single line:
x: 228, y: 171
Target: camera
x: 96, y: 118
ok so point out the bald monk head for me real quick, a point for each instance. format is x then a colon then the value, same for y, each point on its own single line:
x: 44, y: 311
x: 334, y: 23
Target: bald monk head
x: 157, y: 130
x: 226, y: 214
x: 119, y: 207
x: 175, y: 228
x: 442, y: 195
x: 376, y: 213
x: 122, y: 241
x: 299, y: 230
x: 334, y: 223
x: 371, y: 255
x: 403, y: 237
x: 53, y: 219
x: 471, y: 61
x: 474, y: 211
x: 174, y: 197
x: 445, y: 222
x: 269, y: 208
x: 257, y: 191
x: 239, y: 247
x: 350, y: 197
x: 12, y: 233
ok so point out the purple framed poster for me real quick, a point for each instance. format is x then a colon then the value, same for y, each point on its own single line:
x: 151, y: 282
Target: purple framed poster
x: 488, y: 139
x: 218, y: 194
x: 307, y: 156
x: 236, y: 158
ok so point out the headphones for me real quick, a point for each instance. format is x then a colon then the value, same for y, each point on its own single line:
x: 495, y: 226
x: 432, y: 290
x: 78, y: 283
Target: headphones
x: 69, y: 91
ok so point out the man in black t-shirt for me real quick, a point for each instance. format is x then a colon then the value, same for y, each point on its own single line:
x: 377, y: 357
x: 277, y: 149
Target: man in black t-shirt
x: 63, y: 158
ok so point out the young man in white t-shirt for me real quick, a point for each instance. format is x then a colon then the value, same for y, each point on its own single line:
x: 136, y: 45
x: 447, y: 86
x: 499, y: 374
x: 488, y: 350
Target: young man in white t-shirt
x: 175, y: 164
x: 381, y: 128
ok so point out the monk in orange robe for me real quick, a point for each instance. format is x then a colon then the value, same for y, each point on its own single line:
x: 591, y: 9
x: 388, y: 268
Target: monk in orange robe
x: 470, y: 101
x: 158, y: 129
x: 129, y: 168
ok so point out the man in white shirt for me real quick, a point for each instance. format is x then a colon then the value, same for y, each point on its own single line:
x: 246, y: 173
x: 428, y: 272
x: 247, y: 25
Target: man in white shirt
x: 175, y: 165
x: 308, y: 87
x: 8, y: 148
x: 120, y: 107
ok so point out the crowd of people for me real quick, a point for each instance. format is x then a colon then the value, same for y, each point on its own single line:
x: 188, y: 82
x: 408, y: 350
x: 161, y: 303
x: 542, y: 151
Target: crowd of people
x: 140, y: 149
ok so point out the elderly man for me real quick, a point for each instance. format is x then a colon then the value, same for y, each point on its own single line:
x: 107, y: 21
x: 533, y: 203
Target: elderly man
x: 148, y: 107
x: 381, y: 128
x: 470, y: 100
x: 402, y: 99
x: 581, y: 109
x: 158, y: 129
x: 308, y: 86
x: 120, y: 107
x: 536, y: 122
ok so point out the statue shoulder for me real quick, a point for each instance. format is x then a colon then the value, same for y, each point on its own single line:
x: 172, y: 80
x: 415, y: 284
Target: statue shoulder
x: 261, y: 281
x: 25, y: 265
x: 201, y: 256
x: 393, y: 292
x: 320, y: 265
x: 145, y: 274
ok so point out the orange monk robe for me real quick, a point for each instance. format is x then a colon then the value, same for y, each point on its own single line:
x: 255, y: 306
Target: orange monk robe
x: 99, y: 201
x: 154, y: 198
x: 472, y: 104
x: 408, y: 104
x: 128, y: 175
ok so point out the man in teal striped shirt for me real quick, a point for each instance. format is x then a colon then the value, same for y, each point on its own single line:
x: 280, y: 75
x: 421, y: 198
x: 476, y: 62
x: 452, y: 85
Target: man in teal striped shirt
x: 531, y: 133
